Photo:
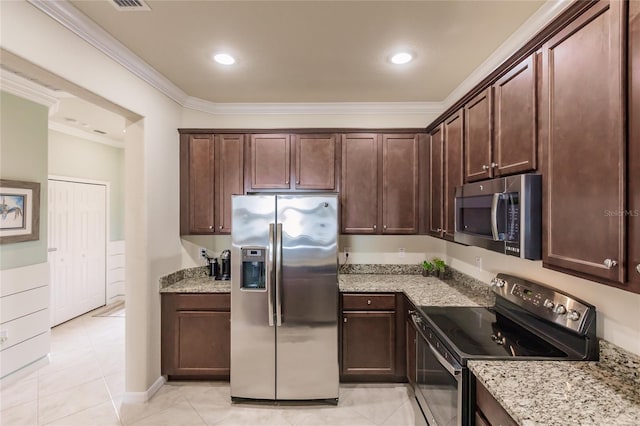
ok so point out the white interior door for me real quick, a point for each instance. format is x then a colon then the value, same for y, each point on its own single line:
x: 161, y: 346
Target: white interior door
x: 77, y: 241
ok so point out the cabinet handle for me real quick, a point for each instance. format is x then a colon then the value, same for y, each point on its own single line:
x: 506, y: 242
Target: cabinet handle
x: 638, y: 268
x: 211, y: 227
x: 220, y: 227
x: 368, y: 301
x: 298, y: 182
x: 345, y: 320
x: 438, y: 229
x: 494, y: 165
x: 374, y: 227
x: 287, y: 181
x: 485, y: 167
x: 384, y: 227
x: 610, y: 263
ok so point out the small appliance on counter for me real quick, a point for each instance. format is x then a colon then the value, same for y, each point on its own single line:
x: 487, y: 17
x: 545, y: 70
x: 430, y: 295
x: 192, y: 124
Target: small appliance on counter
x: 225, y: 266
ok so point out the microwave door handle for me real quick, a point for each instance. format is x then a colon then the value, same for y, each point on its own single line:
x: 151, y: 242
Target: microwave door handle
x: 494, y: 216
x: 270, y: 269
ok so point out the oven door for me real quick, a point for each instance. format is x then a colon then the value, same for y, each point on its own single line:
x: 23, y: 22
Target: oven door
x: 438, y: 382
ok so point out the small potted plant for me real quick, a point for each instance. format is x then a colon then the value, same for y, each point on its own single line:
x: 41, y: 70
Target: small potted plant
x: 427, y: 268
x: 439, y: 266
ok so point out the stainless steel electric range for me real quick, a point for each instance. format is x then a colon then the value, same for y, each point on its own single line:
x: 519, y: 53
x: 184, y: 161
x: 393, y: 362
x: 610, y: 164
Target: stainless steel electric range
x: 528, y: 321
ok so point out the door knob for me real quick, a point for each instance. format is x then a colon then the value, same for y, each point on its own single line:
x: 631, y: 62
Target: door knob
x: 610, y: 263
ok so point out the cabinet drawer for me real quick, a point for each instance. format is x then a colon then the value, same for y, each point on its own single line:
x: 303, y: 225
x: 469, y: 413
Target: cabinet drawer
x: 368, y: 301
x: 492, y: 410
x: 200, y: 301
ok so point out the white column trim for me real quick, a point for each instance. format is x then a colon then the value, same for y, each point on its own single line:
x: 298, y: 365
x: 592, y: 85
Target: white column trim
x: 142, y: 397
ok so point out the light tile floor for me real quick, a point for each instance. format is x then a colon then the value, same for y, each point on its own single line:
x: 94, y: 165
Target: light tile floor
x: 84, y: 383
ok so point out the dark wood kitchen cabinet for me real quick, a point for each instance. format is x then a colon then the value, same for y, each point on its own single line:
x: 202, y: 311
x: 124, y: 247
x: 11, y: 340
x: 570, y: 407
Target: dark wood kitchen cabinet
x: 270, y: 164
x: 489, y: 412
x: 478, y: 136
x: 516, y: 120
x: 582, y: 131
x: 453, y: 168
x: 196, y: 336
x: 371, y: 348
x: 287, y: 162
x: 379, y: 192
x: 211, y: 170
x: 634, y: 147
x: 436, y: 181
x: 359, y: 193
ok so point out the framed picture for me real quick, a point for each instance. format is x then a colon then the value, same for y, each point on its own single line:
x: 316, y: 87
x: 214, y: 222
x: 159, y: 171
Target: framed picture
x: 19, y: 211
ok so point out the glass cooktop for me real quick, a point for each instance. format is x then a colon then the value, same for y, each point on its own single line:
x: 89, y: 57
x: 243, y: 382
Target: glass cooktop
x: 482, y: 332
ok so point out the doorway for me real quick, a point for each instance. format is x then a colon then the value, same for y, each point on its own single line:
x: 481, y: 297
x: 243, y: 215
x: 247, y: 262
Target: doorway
x: 77, y: 217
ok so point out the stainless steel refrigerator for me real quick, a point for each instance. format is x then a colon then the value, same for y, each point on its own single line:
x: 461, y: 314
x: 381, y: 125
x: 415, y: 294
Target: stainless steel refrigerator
x: 284, y: 297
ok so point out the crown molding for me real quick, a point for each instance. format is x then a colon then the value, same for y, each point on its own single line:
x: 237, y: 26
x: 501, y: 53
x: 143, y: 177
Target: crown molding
x: 82, y: 134
x: 78, y: 23
x: 545, y: 14
x: 20, y: 86
x: 317, y: 108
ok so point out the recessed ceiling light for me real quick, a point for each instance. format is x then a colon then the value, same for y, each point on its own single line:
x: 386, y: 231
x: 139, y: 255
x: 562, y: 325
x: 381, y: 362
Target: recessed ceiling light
x: 224, y: 59
x: 401, y: 58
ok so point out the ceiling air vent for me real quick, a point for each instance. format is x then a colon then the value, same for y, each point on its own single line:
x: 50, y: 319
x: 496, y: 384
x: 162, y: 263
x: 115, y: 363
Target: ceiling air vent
x: 130, y: 5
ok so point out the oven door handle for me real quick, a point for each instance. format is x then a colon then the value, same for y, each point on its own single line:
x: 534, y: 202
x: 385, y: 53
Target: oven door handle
x: 446, y: 364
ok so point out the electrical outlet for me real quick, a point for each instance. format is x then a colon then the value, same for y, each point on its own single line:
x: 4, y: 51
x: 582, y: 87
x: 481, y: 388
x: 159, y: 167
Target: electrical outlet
x: 401, y: 252
x: 479, y: 262
x: 203, y: 253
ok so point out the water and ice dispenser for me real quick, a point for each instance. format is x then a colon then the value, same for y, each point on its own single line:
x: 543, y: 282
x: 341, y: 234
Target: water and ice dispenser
x: 253, y: 268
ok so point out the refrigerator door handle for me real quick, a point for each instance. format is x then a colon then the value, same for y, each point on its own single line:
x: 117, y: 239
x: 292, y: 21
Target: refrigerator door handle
x: 279, y: 274
x: 270, y: 264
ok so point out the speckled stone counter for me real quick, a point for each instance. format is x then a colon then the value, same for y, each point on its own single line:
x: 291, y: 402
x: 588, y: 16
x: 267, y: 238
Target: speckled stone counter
x: 193, y: 280
x: 428, y: 291
x: 567, y: 392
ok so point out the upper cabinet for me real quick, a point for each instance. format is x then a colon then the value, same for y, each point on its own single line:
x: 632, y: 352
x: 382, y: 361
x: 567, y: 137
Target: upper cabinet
x: 515, y: 120
x: 211, y: 171
x: 634, y: 147
x: 478, y: 134
x: 453, y: 170
x: 582, y: 132
x: 313, y: 157
x: 379, y: 168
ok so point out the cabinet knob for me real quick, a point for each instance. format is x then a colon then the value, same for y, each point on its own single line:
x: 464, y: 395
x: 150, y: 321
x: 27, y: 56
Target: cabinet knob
x: 287, y: 181
x: 638, y: 268
x: 485, y: 167
x: 298, y: 182
x: 220, y: 227
x: 610, y: 263
x: 345, y: 320
x: 494, y: 165
x: 368, y: 301
x: 211, y: 227
x: 438, y: 229
x: 374, y: 226
x: 384, y: 227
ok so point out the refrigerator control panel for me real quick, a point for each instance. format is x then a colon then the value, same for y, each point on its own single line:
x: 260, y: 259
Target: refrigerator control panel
x: 253, y: 269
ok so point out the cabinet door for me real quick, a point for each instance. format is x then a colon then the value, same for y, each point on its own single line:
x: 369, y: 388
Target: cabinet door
x: 199, y: 165
x: 202, y: 343
x: 230, y: 177
x: 515, y: 146
x: 270, y: 162
x: 315, y: 158
x: 359, y: 193
x: 477, y: 137
x: 453, y: 171
x: 436, y: 161
x: 582, y: 130
x: 368, y: 343
x: 399, y: 184
x: 634, y: 146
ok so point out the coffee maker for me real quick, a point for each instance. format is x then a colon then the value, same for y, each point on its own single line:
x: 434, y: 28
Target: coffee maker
x: 225, y: 266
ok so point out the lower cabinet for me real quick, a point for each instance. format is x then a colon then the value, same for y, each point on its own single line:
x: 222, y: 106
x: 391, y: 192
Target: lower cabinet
x: 372, y: 342
x: 489, y: 412
x: 196, y: 336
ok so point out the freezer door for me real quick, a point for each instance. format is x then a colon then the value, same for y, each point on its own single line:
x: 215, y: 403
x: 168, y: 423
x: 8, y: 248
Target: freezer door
x: 307, y: 297
x: 253, y: 351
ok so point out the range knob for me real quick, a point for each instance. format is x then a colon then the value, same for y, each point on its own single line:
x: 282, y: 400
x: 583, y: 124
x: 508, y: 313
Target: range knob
x: 548, y: 304
x: 574, y: 315
x: 560, y: 310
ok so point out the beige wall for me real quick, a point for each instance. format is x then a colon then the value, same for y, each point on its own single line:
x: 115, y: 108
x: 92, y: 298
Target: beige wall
x: 71, y: 156
x: 23, y: 156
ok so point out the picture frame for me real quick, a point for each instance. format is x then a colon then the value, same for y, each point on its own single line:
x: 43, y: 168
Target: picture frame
x: 19, y: 211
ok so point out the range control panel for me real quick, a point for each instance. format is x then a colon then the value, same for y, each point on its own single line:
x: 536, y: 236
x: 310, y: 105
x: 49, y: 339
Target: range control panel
x: 545, y: 302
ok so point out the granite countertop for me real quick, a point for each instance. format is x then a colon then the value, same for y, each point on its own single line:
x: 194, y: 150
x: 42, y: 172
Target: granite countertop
x: 606, y: 392
x: 457, y: 290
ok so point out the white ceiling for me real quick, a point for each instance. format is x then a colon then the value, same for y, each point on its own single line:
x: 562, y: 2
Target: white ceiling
x: 314, y: 51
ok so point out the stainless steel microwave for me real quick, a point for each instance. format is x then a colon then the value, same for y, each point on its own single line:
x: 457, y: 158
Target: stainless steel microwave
x: 503, y: 215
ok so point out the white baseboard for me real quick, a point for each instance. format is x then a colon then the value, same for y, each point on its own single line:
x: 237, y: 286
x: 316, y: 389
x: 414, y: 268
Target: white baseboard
x: 141, y: 397
x: 24, y: 372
